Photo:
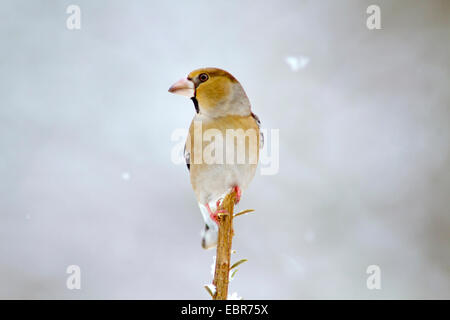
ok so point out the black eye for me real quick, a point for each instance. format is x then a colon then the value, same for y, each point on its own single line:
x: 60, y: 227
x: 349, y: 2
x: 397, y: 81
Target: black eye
x: 203, y: 77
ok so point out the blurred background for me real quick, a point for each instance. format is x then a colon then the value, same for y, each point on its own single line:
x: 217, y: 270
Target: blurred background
x: 85, y: 148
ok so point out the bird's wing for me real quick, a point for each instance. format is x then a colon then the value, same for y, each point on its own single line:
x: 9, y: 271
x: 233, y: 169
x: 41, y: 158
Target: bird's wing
x: 187, y: 158
x: 261, y: 135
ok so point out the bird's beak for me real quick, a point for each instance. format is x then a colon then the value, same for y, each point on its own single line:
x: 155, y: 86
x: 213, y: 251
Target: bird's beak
x: 183, y: 87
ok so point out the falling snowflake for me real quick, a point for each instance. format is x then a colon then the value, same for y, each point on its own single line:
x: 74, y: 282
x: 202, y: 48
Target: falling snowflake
x: 309, y: 236
x: 297, y: 62
x: 126, y: 176
x: 234, y: 296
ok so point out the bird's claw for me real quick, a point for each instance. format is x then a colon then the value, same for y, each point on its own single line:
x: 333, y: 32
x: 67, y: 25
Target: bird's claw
x: 238, y: 192
x: 217, y: 213
x: 221, y: 213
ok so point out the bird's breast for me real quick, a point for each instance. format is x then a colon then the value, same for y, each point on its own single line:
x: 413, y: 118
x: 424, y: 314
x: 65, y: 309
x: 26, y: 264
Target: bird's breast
x: 223, y: 152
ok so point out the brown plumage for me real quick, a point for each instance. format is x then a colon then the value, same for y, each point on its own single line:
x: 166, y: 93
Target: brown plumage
x: 223, y: 115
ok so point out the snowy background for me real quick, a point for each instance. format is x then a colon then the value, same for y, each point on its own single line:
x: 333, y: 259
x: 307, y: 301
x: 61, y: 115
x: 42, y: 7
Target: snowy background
x: 85, y: 148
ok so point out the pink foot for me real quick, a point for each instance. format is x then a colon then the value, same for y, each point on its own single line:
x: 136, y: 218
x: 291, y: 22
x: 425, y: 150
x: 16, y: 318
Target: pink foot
x: 238, y: 193
x: 215, y: 215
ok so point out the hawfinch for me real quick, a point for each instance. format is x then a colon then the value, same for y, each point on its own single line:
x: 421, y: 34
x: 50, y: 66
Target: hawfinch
x: 222, y: 148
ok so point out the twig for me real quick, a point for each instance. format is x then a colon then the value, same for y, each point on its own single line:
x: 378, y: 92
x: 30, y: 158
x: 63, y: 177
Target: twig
x: 238, y: 263
x: 224, y: 242
x: 243, y: 212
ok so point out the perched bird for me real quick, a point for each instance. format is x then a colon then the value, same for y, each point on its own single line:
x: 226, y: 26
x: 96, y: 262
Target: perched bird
x: 222, y: 148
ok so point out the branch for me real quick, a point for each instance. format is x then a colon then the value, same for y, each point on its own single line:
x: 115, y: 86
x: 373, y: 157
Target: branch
x: 224, y: 242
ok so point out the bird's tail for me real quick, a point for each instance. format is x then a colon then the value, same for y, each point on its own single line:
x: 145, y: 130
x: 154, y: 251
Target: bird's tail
x: 209, y: 238
x: 211, y: 231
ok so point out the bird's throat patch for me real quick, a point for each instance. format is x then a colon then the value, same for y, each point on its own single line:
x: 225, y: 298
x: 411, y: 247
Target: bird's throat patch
x: 194, y: 99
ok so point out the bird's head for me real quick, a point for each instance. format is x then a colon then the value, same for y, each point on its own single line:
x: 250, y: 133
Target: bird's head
x: 214, y: 92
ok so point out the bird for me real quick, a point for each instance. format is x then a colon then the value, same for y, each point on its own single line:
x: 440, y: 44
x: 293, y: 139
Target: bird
x: 222, y: 114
